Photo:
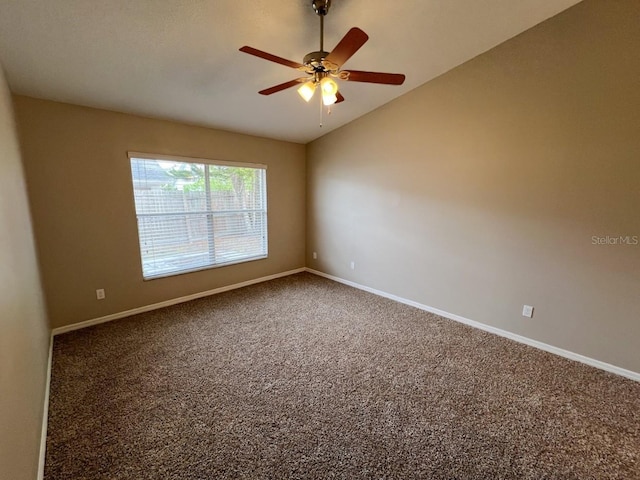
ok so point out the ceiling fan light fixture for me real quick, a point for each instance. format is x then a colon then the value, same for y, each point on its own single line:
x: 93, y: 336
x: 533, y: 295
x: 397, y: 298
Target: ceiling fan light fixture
x: 329, y: 89
x: 329, y: 86
x: 307, y: 90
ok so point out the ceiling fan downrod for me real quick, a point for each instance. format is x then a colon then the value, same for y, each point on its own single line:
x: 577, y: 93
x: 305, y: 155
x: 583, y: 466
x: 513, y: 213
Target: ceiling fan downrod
x: 321, y: 7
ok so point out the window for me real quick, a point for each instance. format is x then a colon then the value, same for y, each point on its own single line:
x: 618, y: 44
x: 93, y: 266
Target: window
x: 196, y: 214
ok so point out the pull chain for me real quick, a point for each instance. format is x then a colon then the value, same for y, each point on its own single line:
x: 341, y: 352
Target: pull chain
x: 321, y: 49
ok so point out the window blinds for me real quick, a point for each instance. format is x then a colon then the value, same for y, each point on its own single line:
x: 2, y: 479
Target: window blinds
x: 196, y: 215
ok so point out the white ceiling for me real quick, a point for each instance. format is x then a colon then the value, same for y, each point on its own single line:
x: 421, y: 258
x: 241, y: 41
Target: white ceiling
x: 179, y: 59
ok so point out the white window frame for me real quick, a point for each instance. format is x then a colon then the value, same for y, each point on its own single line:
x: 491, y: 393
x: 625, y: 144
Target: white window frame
x: 206, y: 162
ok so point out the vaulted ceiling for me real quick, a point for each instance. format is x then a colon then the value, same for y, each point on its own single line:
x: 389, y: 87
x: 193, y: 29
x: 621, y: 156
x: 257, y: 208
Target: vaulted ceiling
x: 179, y: 59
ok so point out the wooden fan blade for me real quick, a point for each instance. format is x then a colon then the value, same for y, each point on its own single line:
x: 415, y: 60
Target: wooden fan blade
x: 350, y: 44
x: 376, y: 77
x: 340, y: 97
x: 271, y: 58
x: 282, y: 86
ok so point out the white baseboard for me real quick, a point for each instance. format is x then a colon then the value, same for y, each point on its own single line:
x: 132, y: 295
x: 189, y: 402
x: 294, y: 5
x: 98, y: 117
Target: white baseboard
x: 45, y: 413
x: 167, y: 303
x: 488, y: 328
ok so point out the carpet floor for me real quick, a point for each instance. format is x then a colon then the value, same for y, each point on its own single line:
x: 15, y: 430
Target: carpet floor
x: 305, y: 378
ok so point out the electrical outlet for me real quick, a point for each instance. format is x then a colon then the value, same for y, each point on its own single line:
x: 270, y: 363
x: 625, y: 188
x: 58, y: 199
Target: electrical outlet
x: 100, y: 294
x: 353, y: 265
x: 315, y: 255
x: 527, y: 311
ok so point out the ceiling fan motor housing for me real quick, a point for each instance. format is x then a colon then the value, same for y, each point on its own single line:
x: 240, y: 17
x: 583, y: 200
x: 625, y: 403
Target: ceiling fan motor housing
x: 315, y: 60
x: 321, y: 7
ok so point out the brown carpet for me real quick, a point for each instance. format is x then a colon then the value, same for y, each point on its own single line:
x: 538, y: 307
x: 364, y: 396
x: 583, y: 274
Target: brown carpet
x: 302, y: 377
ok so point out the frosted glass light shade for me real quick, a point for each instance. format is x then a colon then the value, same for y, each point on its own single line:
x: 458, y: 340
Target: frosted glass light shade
x: 329, y: 86
x: 306, y: 90
x: 329, y: 99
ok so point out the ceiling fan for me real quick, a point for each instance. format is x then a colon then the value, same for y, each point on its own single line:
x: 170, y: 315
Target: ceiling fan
x: 321, y: 67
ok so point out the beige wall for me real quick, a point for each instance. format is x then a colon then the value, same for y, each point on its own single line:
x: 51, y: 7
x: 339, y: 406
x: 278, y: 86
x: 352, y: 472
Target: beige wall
x: 24, y: 333
x: 481, y: 190
x: 80, y: 188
